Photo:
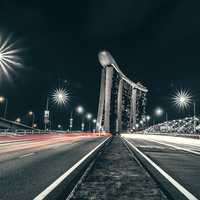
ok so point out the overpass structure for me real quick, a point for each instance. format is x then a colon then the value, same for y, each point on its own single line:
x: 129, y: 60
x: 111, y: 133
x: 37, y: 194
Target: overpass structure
x: 8, y: 124
x: 121, y: 101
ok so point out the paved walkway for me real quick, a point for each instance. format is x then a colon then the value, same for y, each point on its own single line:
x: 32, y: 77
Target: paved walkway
x: 116, y: 175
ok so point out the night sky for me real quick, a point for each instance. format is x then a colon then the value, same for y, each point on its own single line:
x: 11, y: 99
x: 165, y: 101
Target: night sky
x: 154, y: 42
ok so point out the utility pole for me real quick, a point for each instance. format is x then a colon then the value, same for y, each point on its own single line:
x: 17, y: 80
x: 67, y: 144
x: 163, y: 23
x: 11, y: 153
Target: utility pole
x: 71, y: 121
x: 46, y: 114
x: 194, y: 117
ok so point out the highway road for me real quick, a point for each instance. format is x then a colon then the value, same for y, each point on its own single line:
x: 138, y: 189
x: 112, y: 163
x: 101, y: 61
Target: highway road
x: 28, y: 165
x: 178, y: 157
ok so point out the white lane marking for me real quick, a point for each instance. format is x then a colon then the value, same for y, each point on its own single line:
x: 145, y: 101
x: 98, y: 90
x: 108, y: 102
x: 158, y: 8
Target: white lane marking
x: 26, y: 155
x: 176, y: 147
x: 63, y: 144
x: 51, y: 187
x: 177, y: 185
x: 151, y: 147
x: 12, y: 141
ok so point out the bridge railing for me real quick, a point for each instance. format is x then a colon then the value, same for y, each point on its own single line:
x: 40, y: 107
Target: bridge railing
x: 187, y: 126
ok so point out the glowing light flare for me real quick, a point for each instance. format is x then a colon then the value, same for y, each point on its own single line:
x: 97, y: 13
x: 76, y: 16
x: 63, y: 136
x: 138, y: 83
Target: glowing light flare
x: 60, y: 96
x: 148, y: 117
x: 9, y: 60
x: 18, y: 120
x: 2, y: 99
x: 159, y: 111
x: 89, y: 116
x: 80, y: 109
x: 182, y: 99
x: 30, y: 113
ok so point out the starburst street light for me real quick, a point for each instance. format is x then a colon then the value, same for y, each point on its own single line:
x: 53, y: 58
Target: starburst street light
x: 60, y: 96
x: 9, y: 59
x: 182, y: 99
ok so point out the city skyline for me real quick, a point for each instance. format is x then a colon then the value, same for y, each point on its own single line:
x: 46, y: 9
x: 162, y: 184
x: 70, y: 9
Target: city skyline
x: 54, y: 50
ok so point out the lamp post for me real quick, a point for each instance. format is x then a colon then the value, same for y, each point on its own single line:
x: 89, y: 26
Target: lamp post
x: 59, y: 126
x: 159, y: 112
x: 71, y: 121
x: 182, y: 100
x: 89, y: 117
x: 194, y: 117
x: 94, y: 122
x: 32, y: 114
x: 80, y: 110
x: 4, y: 100
x: 18, y: 120
x: 46, y: 114
x: 148, y: 118
x: 142, y: 123
x: 60, y: 96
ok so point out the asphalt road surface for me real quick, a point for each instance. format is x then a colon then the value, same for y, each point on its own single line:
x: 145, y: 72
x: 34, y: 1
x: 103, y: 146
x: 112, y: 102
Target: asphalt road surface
x: 29, y: 165
x: 179, y: 157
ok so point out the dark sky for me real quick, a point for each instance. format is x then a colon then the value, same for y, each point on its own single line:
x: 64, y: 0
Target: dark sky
x: 155, y: 42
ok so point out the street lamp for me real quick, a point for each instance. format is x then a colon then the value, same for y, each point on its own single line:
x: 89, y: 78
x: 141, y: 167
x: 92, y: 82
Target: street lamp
x: 94, y: 122
x: 80, y: 110
x: 2, y: 100
x: 18, y: 120
x: 89, y: 117
x: 60, y: 96
x: 9, y: 59
x: 59, y: 126
x: 148, y: 118
x: 32, y: 114
x: 182, y: 100
x: 158, y: 112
